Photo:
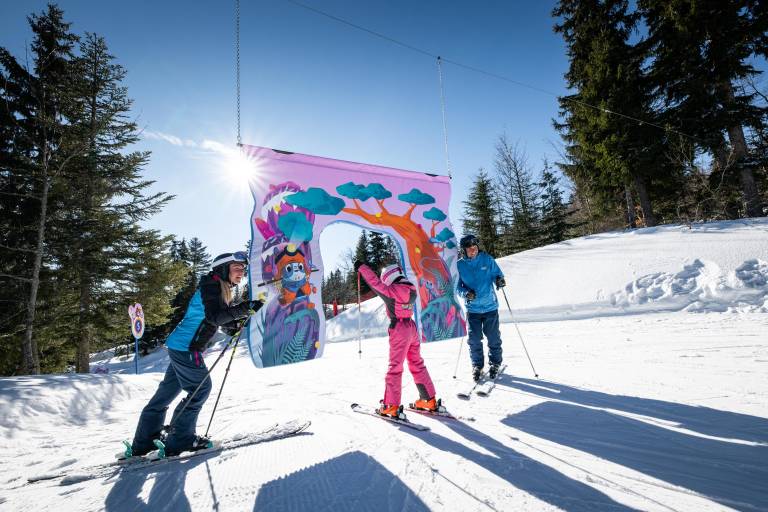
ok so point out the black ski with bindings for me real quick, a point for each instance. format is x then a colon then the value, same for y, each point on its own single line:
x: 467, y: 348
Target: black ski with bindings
x: 371, y: 412
x: 152, y: 459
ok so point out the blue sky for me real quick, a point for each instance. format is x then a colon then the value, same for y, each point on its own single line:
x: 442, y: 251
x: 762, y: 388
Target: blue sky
x: 313, y: 85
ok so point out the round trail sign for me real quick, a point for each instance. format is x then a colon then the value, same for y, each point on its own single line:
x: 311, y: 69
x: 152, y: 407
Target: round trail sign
x: 137, y: 320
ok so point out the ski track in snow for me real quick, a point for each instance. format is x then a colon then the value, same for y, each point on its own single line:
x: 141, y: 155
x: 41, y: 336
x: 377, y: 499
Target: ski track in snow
x: 651, y: 396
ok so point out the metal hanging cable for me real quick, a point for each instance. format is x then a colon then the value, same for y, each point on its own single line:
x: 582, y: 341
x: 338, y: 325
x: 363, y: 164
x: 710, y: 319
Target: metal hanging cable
x: 237, y: 67
x: 442, y: 108
x: 490, y: 74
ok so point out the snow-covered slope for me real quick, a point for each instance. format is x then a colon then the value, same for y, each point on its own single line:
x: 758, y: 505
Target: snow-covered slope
x: 705, y: 267
x: 720, y: 266
x: 640, y: 405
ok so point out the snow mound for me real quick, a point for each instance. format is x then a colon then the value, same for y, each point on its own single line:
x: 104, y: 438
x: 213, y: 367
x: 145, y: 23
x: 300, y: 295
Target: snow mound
x: 699, y: 287
x: 715, y: 267
x: 370, y: 320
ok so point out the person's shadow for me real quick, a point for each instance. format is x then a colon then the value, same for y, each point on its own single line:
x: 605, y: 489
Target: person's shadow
x: 718, y: 454
x: 350, y: 482
x: 526, y: 474
x: 704, y: 420
x: 167, y: 489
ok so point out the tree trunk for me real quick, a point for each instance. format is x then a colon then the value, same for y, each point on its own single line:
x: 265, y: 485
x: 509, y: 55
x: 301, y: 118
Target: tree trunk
x: 82, y: 364
x: 29, y: 345
x: 645, y: 201
x: 752, y: 203
x: 630, y: 210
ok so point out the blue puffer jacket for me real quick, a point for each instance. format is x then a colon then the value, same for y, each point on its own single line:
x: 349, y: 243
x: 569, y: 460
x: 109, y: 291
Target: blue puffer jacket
x: 205, y: 314
x: 479, y: 274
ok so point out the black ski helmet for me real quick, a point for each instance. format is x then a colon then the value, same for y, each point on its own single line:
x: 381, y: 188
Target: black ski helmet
x: 468, y: 241
x: 220, y: 265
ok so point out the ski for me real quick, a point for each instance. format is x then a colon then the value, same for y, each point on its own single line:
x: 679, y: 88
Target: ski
x: 152, y: 459
x: 464, y: 395
x: 488, y: 386
x: 440, y: 414
x: 406, y: 423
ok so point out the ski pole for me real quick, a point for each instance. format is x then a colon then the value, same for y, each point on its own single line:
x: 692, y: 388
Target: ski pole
x: 226, y: 373
x: 207, y: 376
x: 359, y: 321
x: 458, y: 358
x: 518, y: 332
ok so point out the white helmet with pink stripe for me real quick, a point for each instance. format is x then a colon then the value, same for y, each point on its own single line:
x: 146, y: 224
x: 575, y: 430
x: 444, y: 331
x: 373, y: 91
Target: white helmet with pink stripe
x: 390, y: 273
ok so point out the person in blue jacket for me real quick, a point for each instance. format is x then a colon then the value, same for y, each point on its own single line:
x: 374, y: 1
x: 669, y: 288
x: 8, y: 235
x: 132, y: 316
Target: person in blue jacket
x: 212, y: 306
x: 478, y: 272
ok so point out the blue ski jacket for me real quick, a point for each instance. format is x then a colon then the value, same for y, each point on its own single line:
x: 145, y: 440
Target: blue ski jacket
x: 205, y: 314
x: 479, y: 274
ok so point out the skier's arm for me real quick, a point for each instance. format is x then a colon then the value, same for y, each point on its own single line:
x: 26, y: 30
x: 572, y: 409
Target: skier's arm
x: 374, y: 282
x: 497, y: 275
x: 217, y: 314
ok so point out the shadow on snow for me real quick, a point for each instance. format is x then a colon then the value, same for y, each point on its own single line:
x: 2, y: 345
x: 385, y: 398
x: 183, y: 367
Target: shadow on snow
x: 526, y: 474
x: 724, y: 470
x: 353, y: 481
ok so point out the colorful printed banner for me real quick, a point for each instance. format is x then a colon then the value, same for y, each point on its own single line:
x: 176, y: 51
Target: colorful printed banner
x: 296, y: 196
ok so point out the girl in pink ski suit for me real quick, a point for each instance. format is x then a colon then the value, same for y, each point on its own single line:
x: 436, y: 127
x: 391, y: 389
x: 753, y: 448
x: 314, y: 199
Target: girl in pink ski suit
x: 399, y: 296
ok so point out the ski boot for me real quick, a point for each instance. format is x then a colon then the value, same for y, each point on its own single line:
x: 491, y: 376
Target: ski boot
x: 199, y: 443
x: 393, y: 411
x: 431, y: 405
x: 493, y: 371
x: 477, y: 372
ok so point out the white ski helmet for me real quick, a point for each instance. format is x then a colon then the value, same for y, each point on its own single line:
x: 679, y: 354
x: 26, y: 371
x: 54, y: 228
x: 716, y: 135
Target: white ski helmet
x: 390, y: 273
x: 220, y: 265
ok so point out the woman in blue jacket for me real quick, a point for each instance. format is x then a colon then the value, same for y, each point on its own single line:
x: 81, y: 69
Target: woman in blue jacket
x: 212, y: 306
x: 478, y: 272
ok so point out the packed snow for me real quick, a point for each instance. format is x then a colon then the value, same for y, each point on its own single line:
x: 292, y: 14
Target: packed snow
x: 652, y: 355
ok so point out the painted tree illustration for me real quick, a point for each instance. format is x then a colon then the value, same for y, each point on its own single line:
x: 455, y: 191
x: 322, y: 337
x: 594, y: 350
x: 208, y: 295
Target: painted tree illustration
x: 434, y: 279
x: 444, y: 239
x: 437, y: 216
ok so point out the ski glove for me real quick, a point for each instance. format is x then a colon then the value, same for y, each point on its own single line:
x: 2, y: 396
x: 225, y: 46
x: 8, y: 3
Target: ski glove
x: 358, y: 264
x: 500, y: 282
x: 471, y: 295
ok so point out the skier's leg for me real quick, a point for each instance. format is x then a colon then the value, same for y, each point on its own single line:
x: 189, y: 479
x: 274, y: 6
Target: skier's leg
x: 475, y: 338
x: 191, y: 371
x: 152, y: 417
x: 416, y: 363
x: 398, y: 347
x: 493, y: 335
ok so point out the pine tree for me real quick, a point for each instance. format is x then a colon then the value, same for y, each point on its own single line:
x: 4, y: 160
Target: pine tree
x: 156, y: 281
x: 199, y: 260
x: 361, y: 254
x: 480, y: 213
x: 517, y: 194
x: 392, y: 252
x: 612, y: 158
x: 195, y: 260
x: 98, y: 237
x: 554, y: 212
x: 701, y: 52
x: 179, y: 250
x: 35, y: 119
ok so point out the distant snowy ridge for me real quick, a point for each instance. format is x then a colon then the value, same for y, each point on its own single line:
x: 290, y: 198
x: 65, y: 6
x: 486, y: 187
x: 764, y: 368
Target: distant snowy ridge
x: 665, y: 268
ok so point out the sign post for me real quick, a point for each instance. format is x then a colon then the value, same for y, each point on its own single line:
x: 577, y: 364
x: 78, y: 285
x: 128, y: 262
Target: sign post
x: 137, y: 329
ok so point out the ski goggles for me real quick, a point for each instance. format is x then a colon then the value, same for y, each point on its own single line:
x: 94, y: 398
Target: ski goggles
x: 236, y: 257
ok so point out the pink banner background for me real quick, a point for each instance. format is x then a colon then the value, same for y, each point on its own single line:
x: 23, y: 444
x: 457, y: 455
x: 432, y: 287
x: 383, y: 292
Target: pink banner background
x: 295, y: 197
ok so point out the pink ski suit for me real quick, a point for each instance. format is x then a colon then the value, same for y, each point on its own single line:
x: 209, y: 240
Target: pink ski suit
x: 403, y: 337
